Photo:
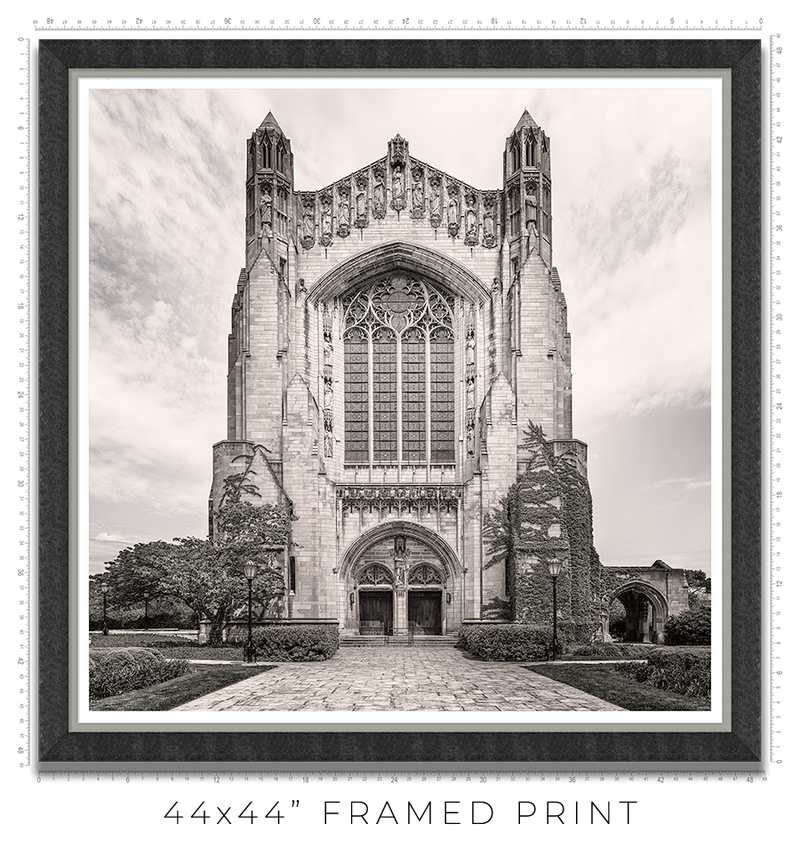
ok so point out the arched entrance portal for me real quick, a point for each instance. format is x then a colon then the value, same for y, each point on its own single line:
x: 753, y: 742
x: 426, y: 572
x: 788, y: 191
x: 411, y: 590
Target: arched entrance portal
x: 400, y: 580
x: 645, y: 612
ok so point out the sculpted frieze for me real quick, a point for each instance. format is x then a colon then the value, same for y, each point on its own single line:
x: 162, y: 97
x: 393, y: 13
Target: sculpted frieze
x: 402, y: 498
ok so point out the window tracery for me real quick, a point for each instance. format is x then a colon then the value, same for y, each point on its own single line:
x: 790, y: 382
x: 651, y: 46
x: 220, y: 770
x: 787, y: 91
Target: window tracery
x: 374, y: 574
x: 424, y: 574
x: 399, y: 373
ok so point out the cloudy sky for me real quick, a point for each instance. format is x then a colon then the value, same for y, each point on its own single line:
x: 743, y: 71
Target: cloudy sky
x: 632, y: 228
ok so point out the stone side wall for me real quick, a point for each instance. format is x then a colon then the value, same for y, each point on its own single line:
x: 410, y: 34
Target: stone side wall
x: 264, y: 363
x: 541, y: 350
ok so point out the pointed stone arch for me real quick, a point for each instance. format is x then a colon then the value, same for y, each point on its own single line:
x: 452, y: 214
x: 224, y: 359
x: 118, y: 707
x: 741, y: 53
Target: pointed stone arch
x: 440, y: 270
x: 652, y: 629
x: 435, y: 542
x: 399, y: 604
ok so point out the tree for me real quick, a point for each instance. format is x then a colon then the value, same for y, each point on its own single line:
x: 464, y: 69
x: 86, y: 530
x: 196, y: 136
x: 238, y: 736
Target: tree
x: 699, y: 588
x: 141, y: 568
x: 698, y: 582
x: 692, y: 627
x: 208, y: 574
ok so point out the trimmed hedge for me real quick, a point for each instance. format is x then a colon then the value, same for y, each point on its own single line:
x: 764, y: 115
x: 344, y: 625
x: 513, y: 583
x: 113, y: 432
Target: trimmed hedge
x: 612, y: 649
x: 507, y: 642
x: 680, y: 670
x: 296, y: 642
x: 118, y: 670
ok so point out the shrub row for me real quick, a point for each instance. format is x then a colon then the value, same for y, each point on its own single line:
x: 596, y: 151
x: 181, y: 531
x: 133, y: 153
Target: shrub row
x: 118, y: 670
x: 611, y: 649
x: 296, y: 642
x: 692, y: 627
x: 163, y: 612
x: 679, y: 670
x: 510, y: 642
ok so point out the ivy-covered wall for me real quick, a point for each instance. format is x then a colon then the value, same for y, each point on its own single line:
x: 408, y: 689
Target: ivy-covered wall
x: 547, y: 513
x: 585, y: 566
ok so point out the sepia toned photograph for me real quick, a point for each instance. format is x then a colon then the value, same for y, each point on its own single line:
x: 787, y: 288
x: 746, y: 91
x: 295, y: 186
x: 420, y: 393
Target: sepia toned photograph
x: 403, y: 401
x: 216, y: 596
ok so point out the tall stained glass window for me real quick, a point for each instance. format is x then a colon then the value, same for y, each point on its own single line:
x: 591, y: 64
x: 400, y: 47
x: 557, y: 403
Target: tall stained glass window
x: 399, y: 372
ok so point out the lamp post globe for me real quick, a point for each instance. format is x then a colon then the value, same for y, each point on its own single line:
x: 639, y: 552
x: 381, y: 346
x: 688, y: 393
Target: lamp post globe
x: 554, y: 566
x: 249, y: 574
x: 104, y: 589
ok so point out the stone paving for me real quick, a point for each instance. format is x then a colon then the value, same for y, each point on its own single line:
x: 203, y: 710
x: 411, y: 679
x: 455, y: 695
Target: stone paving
x: 399, y: 679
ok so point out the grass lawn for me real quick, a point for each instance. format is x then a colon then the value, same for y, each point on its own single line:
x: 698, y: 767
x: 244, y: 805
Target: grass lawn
x: 604, y: 683
x: 172, y: 647
x: 169, y: 694
x: 201, y: 680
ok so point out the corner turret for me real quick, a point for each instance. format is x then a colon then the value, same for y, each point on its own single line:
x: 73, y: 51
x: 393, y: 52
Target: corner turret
x: 528, y: 191
x: 270, y: 182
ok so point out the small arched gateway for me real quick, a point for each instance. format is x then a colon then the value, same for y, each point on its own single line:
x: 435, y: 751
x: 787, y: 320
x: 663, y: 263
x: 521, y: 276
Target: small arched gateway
x: 650, y: 595
x: 400, y: 577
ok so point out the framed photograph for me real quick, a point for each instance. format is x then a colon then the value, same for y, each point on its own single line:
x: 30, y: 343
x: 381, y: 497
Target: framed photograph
x: 310, y: 391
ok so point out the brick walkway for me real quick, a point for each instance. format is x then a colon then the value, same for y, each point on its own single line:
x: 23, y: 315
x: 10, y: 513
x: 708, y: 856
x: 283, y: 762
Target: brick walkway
x: 399, y: 679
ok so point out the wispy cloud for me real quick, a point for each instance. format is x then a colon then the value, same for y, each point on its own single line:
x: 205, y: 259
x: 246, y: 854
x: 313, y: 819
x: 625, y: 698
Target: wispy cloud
x: 680, y: 484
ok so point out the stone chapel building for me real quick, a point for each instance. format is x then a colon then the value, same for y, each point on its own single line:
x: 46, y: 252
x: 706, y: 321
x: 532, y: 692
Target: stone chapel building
x: 393, y: 337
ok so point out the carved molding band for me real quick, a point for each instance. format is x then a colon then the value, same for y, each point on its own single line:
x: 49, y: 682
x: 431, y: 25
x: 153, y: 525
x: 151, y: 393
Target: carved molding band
x: 400, y: 498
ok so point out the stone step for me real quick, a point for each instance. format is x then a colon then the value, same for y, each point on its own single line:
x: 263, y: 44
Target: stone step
x: 399, y: 641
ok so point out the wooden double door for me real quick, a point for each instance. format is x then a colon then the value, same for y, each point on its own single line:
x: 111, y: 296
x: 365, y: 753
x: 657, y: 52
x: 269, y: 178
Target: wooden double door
x: 376, y: 612
x: 425, y: 612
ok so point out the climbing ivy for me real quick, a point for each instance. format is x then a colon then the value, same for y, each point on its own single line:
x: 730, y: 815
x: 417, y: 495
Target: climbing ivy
x: 585, y: 567
x: 521, y: 532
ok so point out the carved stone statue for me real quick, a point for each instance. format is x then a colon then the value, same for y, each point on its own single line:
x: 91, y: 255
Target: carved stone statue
x: 531, y: 205
x: 380, y: 200
x: 400, y: 564
x: 436, y: 202
x: 417, y: 196
x: 398, y: 188
x: 344, y: 208
x: 308, y: 220
x: 452, y: 211
x: 470, y: 349
x: 326, y: 221
x: 488, y: 223
x: 470, y: 223
x: 265, y: 213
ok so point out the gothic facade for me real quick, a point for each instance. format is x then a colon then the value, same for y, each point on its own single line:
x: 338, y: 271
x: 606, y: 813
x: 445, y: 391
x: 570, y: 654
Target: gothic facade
x: 395, y: 336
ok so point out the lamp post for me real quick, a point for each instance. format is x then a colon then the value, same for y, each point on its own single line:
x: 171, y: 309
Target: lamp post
x: 554, y: 566
x: 104, y: 589
x: 146, y: 599
x: 249, y: 574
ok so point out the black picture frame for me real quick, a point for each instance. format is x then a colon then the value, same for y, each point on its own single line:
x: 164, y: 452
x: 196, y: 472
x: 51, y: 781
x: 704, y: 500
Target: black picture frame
x: 59, y: 746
